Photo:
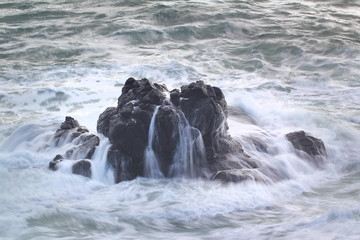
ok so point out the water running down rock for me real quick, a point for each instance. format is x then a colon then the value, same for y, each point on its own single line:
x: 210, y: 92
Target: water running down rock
x: 156, y: 133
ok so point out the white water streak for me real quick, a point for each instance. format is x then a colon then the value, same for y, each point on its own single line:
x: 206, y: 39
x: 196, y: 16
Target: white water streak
x: 152, y: 168
x: 99, y: 167
x: 190, y: 151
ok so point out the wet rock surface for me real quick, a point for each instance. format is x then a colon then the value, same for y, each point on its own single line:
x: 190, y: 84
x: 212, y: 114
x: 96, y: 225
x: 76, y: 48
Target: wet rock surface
x: 82, y: 167
x: 196, y: 110
x: 305, y: 142
x: 81, y: 144
x: 309, y: 147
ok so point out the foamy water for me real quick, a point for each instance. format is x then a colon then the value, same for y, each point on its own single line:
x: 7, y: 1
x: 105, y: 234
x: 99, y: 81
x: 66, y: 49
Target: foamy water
x: 288, y: 65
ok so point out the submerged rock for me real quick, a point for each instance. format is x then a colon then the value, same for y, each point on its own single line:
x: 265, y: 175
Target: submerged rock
x: 239, y: 175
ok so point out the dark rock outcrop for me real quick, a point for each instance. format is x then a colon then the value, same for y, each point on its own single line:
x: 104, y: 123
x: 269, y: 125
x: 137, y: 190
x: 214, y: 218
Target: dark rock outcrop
x: 127, y: 125
x: 308, y: 147
x: 155, y: 132
x: 197, y: 111
x: 206, y: 110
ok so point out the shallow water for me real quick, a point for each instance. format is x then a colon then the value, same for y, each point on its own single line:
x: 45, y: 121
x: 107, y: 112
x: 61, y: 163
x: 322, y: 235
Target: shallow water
x: 290, y: 65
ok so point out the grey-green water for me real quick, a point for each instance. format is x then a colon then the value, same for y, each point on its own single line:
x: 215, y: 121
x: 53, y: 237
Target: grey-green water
x: 289, y: 64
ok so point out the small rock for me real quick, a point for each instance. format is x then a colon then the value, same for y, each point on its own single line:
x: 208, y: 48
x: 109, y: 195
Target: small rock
x: 52, y: 165
x: 308, y: 147
x: 305, y: 142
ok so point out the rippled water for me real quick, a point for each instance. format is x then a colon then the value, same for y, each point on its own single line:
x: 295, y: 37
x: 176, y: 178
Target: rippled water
x: 290, y: 65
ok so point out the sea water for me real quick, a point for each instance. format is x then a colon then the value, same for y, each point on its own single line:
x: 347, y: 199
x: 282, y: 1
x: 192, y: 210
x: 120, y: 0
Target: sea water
x: 289, y: 65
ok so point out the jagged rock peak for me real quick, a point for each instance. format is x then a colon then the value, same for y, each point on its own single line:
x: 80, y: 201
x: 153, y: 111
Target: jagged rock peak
x: 143, y: 91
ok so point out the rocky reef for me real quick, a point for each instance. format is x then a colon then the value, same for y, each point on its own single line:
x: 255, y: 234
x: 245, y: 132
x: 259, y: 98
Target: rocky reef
x: 155, y: 133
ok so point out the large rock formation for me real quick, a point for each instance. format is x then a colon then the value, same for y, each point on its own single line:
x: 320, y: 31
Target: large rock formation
x: 155, y: 132
x: 188, y: 130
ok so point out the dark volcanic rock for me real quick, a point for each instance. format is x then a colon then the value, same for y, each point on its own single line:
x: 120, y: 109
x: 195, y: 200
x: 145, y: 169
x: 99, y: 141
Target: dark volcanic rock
x: 196, y: 114
x: 166, y: 135
x: 181, y: 133
x: 127, y: 125
x: 206, y: 109
x: 69, y: 123
x: 143, y: 91
x: 313, y: 147
x: 82, y: 168
x: 103, y: 123
x: 129, y: 130
x: 175, y: 97
x: 124, y: 166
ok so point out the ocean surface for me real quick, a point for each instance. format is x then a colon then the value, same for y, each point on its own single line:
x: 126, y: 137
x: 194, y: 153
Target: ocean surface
x: 290, y: 65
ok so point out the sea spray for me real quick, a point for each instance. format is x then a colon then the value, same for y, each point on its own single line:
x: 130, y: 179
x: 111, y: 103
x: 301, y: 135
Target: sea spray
x: 33, y: 137
x: 276, y: 155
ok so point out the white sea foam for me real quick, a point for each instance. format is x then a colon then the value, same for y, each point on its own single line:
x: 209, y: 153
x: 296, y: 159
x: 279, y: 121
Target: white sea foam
x: 290, y: 66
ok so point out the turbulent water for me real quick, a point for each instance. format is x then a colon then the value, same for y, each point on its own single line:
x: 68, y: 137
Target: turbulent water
x: 290, y: 65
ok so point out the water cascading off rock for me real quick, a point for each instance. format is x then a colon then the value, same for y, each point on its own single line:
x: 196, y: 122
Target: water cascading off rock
x: 187, y: 132
x: 159, y: 133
